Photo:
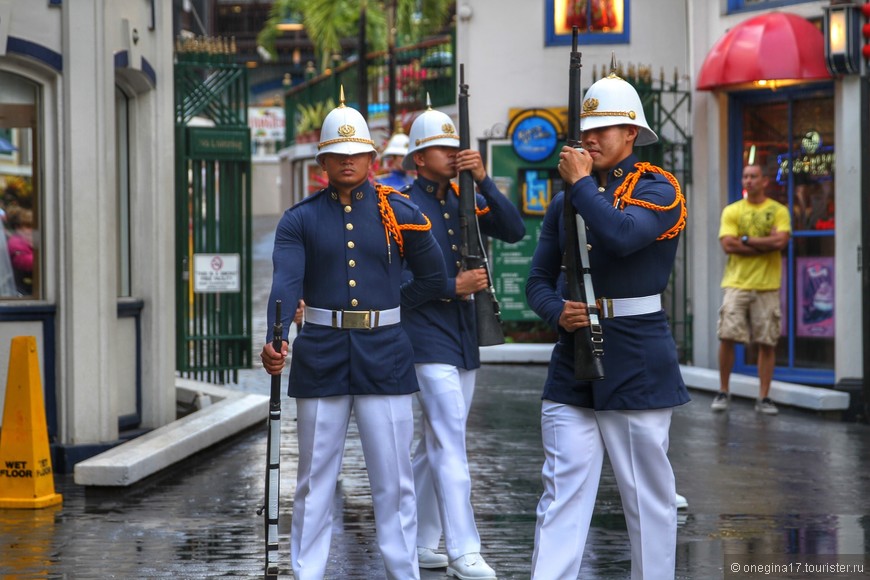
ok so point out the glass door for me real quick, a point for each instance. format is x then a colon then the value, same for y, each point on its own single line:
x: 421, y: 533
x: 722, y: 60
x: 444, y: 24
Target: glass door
x: 791, y: 133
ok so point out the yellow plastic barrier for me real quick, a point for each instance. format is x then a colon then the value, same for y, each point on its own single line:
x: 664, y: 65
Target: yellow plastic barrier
x: 26, y: 476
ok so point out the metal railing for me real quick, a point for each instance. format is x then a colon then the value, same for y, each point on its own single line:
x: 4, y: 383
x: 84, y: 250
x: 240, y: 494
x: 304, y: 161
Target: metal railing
x: 424, y: 68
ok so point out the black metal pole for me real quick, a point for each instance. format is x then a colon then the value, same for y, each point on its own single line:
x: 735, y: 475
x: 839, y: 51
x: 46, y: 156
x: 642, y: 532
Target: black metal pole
x: 391, y: 64
x: 864, y: 100
x: 363, y: 71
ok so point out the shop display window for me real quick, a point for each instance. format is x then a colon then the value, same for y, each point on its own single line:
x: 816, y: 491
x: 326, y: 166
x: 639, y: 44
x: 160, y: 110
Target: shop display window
x: 21, y: 259
x: 598, y: 21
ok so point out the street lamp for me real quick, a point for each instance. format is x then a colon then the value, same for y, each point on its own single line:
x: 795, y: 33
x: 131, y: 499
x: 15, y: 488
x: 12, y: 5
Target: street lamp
x: 842, y: 33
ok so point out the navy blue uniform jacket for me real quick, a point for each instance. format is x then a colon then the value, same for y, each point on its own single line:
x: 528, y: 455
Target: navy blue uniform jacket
x: 444, y: 330
x: 640, y: 357
x: 338, y: 258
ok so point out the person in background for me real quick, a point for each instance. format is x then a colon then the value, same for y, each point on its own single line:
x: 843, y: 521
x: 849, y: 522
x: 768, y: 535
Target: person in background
x: 394, y: 174
x: 443, y: 331
x: 343, y: 248
x: 753, y: 233
x: 634, y: 213
x: 19, y: 221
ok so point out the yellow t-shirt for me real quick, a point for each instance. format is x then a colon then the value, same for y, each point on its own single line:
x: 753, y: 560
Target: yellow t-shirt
x: 764, y: 271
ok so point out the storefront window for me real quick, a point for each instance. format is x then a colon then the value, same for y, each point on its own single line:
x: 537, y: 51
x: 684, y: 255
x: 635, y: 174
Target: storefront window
x: 597, y: 21
x: 20, y: 244
x: 793, y: 138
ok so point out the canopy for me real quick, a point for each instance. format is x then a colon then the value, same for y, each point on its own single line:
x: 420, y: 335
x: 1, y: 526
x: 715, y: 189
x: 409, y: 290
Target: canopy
x: 777, y: 46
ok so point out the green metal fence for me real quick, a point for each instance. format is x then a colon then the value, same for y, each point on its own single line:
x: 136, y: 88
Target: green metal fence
x: 213, y: 213
x: 421, y: 69
x: 667, y: 104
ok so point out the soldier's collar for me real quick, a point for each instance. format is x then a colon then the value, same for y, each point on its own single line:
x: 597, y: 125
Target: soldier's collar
x: 427, y: 185
x: 621, y: 169
x: 357, y: 194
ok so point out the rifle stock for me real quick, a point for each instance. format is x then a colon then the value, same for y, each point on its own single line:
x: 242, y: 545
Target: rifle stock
x: 588, y: 341
x: 486, y: 308
x: 273, y: 456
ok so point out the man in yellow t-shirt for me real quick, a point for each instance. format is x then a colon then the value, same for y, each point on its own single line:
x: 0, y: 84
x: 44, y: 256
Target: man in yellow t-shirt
x: 753, y: 232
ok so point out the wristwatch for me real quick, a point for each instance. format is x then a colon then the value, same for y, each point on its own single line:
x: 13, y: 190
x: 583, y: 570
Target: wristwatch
x: 745, y: 240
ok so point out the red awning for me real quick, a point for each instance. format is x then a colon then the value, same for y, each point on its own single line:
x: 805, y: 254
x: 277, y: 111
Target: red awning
x: 776, y: 46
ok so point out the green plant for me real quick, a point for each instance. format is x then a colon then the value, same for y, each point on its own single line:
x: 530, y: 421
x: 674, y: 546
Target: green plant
x: 311, y: 116
x: 327, y: 22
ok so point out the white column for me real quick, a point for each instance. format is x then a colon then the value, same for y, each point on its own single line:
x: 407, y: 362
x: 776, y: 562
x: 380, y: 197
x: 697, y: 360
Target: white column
x: 87, y: 305
x: 847, y: 216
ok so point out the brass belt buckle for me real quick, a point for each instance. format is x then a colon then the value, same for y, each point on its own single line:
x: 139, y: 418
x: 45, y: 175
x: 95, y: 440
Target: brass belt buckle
x: 605, y: 306
x: 356, y: 319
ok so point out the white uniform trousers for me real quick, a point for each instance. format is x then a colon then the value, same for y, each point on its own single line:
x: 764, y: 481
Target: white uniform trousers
x: 440, y: 464
x: 386, y: 430
x: 575, y: 440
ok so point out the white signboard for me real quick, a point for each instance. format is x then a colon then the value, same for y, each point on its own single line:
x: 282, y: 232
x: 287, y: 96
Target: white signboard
x: 216, y: 273
x: 266, y: 123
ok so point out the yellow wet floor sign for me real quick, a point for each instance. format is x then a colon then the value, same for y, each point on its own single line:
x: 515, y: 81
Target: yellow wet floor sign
x: 26, y: 477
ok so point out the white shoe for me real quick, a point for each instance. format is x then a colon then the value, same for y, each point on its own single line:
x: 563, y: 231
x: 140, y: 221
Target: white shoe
x: 470, y: 567
x: 682, y: 502
x: 429, y: 559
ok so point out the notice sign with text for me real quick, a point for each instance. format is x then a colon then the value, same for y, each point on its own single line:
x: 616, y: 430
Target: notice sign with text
x: 216, y: 273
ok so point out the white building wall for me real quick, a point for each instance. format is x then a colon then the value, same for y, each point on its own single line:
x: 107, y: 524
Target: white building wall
x: 79, y: 209
x: 507, y: 65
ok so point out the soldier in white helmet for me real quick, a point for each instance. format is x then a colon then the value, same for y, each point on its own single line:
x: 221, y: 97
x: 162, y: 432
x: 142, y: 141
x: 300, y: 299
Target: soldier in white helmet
x: 634, y: 212
x: 343, y: 248
x: 393, y: 174
x: 446, y: 355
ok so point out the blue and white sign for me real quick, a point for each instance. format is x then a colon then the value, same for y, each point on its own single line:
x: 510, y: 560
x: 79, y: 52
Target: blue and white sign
x: 534, y: 139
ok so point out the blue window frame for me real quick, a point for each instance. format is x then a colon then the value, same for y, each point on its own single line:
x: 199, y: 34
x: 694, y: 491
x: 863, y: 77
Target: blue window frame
x: 599, y: 21
x: 785, y: 121
x: 748, y: 5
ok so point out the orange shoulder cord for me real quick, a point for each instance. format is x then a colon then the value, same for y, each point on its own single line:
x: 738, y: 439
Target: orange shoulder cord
x: 622, y: 197
x: 477, y: 211
x: 388, y: 217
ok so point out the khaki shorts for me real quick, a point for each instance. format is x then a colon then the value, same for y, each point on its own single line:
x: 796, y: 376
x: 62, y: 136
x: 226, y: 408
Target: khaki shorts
x: 750, y: 316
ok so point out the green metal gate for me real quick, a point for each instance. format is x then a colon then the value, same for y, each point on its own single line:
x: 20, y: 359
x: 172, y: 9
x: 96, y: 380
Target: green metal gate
x: 668, y: 108
x: 213, y: 212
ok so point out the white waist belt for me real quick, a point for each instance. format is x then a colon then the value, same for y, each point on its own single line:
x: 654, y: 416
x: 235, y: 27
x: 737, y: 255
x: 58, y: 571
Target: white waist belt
x: 352, y: 318
x: 615, y: 307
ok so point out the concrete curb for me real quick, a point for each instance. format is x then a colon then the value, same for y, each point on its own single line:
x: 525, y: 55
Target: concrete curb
x: 225, y: 412
x: 704, y: 379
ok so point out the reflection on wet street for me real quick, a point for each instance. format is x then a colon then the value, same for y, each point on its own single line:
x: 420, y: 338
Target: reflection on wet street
x: 796, y: 483
x: 791, y: 484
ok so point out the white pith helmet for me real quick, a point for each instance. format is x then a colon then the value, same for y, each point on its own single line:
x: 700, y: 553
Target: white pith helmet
x: 430, y: 129
x: 344, y: 132
x: 397, y: 145
x: 613, y: 101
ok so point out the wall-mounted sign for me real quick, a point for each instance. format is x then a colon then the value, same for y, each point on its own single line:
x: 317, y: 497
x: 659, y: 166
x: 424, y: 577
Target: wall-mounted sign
x: 211, y: 143
x: 534, y: 136
x: 215, y: 273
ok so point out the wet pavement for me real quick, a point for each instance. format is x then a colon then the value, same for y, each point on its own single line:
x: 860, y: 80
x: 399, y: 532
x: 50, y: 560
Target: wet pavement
x: 793, y: 484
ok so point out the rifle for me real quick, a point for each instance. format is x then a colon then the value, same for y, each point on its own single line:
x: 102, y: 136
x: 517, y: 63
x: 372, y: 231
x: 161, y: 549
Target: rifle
x: 486, y: 309
x: 273, y: 457
x: 589, y: 340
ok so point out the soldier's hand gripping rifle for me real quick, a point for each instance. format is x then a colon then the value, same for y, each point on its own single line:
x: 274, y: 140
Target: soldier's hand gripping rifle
x: 589, y: 340
x: 273, y: 457
x: 489, y: 330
